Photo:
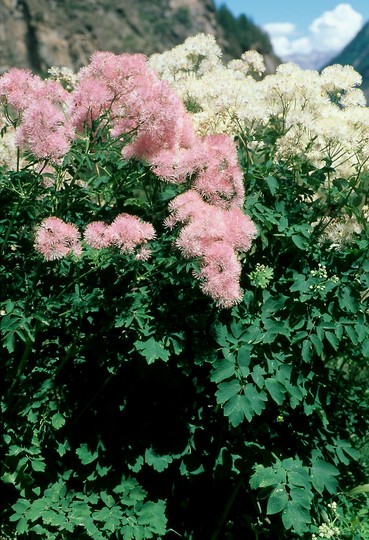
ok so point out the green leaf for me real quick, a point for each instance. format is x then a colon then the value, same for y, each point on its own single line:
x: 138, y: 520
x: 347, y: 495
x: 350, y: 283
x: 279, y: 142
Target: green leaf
x: 275, y: 327
x: 256, y: 399
x: 283, y: 224
x: 152, y: 350
x: 296, y: 517
x: 223, y: 369
x: 364, y: 488
x: 38, y: 465
x: 236, y: 328
x: 9, y: 342
x: 159, y: 463
x: 351, y: 334
x: 253, y: 334
x: 63, y: 448
x: 344, y: 449
x: 347, y: 301
x: 277, y: 500
x: 22, y: 526
x: 20, y: 507
x: 332, y: 340
x: 318, y: 345
x: 152, y: 516
x: 272, y: 184
x: 85, y: 455
x: 243, y: 359
x: 222, y: 335
x: 365, y: 348
x: 107, y: 499
x: 258, y: 374
x: 138, y: 465
x: 306, y: 350
x: 276, y: 390
x: 227, y: 390
x: 300, y: 284
x: 323, y: 476
x: 302, y: 496
x: 299, y: 241
x: 237, y: 409
x: 267, y: 476
x: 300, y: 478
x: 36, y: 509
x: 296, y: 394
x: 57, y: 421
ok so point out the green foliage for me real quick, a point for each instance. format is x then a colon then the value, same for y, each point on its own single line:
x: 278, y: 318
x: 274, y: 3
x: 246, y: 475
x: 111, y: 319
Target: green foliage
x: 98, y: 515
x: 128, y: 399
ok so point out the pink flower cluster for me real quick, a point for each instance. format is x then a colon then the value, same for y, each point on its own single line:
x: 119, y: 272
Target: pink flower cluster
x: 142, y: 109
x: 153, y: 124
x: 45, y: 127
x: 56, y: 239
x: 126, y: 233
x: 214, y: 235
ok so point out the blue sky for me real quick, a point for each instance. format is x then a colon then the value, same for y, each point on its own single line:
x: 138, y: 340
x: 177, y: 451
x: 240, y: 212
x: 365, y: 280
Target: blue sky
x: 300, y: 27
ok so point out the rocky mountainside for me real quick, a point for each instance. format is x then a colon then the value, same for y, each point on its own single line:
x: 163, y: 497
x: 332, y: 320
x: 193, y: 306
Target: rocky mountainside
x: 356, y: 54
x: 43, y: 33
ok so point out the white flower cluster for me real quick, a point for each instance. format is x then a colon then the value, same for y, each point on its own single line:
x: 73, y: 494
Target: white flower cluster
x: 322, y: 274
x: 327, y: 530
x: 197, y: 55
x: 340, y: 231
x: 321, y: 271
x: 320, y: 116
x: 67, y: 78
x: 251, y: 62
x: 261, y: 276
x: 225, y: 95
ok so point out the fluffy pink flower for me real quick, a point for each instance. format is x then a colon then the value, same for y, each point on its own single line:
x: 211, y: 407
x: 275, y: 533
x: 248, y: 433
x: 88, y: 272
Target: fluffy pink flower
x: 220, y: 274
x: 89, y: 100
x: 224, y: 289
x: 56, y: 239
x: 214, y: 236
x: 19, y: 87
x: 185, y: 207
x: 96, y: 235
x: 158, y: 112
x: 143, y: 254
x: 126, y: 232
x: 53, y: 91
x: 111, y: 83
x: 177, y: 164
x: 45, y: 130
x: 241, y: 230
x: 119, y: 72
x: 220, y: 181
x: 44, y: 126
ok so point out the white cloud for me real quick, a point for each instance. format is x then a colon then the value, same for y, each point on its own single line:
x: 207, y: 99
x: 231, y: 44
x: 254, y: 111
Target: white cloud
x: 332, y: 31
x: 280, y: 29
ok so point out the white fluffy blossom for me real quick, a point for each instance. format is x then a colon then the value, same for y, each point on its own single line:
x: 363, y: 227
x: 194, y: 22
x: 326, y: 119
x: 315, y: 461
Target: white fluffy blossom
x: 318, y: 116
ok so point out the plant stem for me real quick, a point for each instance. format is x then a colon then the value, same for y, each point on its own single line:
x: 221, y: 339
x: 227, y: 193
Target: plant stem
x: 10, y: 227
x: 69, y: 353
x: 227, y: 508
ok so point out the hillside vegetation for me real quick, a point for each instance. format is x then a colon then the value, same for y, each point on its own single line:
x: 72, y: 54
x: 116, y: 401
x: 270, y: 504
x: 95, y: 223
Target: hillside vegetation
x: 38, y: 34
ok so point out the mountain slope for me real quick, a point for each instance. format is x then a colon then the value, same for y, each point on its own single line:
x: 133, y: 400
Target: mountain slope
x: 241, y: 34
x: 356, y: 54
x: 41, y: 33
